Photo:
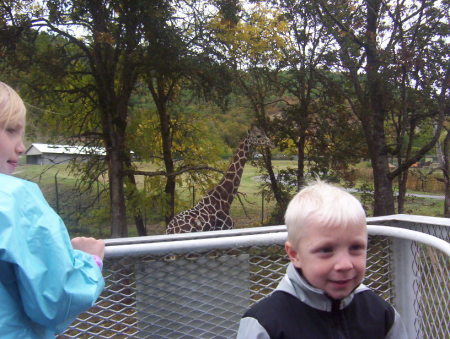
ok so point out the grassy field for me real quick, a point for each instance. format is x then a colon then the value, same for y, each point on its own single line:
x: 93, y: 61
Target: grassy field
x: 249, y: 209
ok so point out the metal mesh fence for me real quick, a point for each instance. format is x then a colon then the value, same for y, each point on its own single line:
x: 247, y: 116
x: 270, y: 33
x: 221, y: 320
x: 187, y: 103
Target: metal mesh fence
x: 203, y: 293
x: 430, y: 277
x: 431, y: 292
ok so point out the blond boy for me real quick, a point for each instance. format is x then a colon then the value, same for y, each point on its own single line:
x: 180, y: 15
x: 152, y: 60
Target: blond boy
x: 321, y: 295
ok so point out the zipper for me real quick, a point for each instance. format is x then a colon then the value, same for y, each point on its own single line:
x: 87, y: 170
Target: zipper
x: 339, y: 327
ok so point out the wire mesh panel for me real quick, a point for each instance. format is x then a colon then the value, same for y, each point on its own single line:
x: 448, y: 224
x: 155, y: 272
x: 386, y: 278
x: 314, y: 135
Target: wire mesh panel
x: 431, y: 291
x: 198, y: 295
x: 379, y: 270
x: 186, y: 293
x: 115, y: 313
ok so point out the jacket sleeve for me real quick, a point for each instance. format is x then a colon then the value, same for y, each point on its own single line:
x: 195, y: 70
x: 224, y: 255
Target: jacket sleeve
x: 250, y: 328
x: 397, y: 330
x: 55, y: 282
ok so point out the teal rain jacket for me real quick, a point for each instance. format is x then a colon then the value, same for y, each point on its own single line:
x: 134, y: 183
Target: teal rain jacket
x: 44, y: 282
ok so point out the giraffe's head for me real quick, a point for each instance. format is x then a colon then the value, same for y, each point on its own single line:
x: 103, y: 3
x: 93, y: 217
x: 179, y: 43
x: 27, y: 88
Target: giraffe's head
x: 257, y: 137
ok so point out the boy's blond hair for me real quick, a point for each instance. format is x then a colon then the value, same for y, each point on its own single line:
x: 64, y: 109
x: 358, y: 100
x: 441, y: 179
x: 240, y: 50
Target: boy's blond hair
x: 324, y: 204
x: 12, y: 108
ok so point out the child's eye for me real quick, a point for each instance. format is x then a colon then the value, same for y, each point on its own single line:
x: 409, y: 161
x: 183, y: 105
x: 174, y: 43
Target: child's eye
x: 325, y: 250
x: 357, y: 247
x: 14, y: 130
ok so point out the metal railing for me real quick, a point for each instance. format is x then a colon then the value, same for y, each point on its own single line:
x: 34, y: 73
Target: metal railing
x: 198, y: 285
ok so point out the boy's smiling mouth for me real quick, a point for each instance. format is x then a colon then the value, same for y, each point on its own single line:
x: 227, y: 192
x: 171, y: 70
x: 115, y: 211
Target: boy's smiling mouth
x: 342, y: 282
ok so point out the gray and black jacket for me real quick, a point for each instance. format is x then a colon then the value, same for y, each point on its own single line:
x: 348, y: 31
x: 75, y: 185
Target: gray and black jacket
x: 296, y: 310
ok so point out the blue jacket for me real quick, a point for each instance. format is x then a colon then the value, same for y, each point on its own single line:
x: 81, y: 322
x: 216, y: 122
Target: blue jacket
x: 44, y: 282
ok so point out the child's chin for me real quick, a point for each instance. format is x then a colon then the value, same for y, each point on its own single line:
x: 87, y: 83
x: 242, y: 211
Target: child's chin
x: 337, y: 295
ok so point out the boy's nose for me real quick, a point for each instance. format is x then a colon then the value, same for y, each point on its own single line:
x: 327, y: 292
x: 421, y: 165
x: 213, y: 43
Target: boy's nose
x: 343, y: 262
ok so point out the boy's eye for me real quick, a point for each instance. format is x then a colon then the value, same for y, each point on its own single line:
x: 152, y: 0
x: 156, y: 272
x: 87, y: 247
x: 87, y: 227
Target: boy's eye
x: 357, y: 247
x: 325, y: 250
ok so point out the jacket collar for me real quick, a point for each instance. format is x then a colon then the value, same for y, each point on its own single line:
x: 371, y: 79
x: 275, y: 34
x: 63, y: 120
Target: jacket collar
x: 293, y: 283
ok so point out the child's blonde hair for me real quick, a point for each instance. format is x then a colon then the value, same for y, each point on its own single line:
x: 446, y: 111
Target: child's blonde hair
x: 324, y: 204
x: 12, y: 108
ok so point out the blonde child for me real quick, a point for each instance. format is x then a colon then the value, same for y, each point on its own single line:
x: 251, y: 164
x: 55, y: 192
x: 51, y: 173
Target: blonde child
x: 321, y: 295
x: 46, y: 280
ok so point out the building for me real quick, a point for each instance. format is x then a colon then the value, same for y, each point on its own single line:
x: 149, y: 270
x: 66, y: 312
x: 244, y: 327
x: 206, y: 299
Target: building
x: 46, y: 154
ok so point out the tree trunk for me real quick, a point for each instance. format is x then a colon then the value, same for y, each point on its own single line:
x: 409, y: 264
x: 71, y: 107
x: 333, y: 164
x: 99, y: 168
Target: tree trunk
x: 168, y: 162
x: 280, y: 197
x: 446, y: 171
x: 114, y: 125
x: 161, y: 93
x: 170, y: 194
x: 138, y: 218
x: 301, y: 159
x: 118, y: 216
x: 402, y: 181
x: 384, y: 197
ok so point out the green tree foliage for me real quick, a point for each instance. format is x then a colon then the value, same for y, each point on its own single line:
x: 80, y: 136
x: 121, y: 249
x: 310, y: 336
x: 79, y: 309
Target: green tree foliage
x: 252, y: 48
x: 383, y: 50
x: 195, y: 146
x: 90, y: 66
x: 178, y: 69
x: 179, y: 82
x: 315, y: 124
x: 109, y: 54
x: 98, y: 72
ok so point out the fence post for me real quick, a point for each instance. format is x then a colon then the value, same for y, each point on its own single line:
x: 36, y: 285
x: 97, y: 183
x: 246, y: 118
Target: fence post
x: 262, y: 208
x: 56, y: 193
x: 403, y: 282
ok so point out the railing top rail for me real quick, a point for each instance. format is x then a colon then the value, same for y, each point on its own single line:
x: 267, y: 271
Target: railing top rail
x: 410, y: 219
x: 194, y: 235
x: 257, y: 236
x: 402, y: 233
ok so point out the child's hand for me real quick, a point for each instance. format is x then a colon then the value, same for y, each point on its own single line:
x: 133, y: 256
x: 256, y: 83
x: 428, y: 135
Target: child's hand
x: 89, y: 245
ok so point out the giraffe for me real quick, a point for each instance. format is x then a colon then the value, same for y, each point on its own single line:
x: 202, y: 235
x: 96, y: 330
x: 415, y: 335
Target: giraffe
x: 213, y: 211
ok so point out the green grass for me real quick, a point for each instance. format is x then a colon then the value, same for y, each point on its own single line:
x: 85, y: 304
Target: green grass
x: 45, y: 175
x: 248, y: 209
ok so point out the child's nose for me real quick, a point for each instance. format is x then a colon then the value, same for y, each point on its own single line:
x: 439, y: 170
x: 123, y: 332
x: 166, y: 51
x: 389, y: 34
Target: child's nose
x: 20, y: 148
x: 343, y: 262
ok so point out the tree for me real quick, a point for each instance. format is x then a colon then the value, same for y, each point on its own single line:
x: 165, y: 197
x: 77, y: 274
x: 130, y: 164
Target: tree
x: 178, y: 64
x: 102, y: 51
x: 108, y: 56
x: 414, y: 99
x: 315, y: 110
x: 251, y: 47
x: 368, y: 35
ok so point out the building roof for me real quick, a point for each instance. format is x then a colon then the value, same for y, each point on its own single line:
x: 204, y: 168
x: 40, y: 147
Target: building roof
x: 38, y: 149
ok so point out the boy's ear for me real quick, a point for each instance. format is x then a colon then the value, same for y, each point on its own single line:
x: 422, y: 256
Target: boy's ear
x: 292, y: 254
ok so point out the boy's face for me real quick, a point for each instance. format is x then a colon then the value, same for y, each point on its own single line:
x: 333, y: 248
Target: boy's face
x: 11, y: 147
x: 331, y: 258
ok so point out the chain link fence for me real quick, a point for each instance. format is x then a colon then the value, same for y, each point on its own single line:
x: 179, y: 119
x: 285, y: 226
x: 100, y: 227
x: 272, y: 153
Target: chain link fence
x: 199, y: 285
x: 420, y: 275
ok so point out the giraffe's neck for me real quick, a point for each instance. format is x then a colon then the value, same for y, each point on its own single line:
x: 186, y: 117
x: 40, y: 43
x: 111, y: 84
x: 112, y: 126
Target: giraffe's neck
x: 228, y: 186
